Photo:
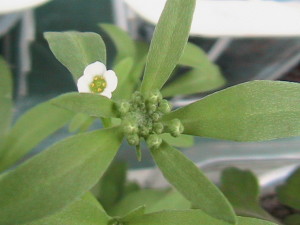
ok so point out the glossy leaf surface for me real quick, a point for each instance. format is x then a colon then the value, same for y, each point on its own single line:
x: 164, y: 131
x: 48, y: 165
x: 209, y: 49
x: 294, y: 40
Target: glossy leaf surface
x: 252, y: 111
x: 168, y: 42
x: 90, y: 104
x: 76, y: 50
x: 56, y: 177
x: 192, y: 183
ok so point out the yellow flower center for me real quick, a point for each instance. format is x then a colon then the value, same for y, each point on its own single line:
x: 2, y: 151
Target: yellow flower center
x: 98, y: 84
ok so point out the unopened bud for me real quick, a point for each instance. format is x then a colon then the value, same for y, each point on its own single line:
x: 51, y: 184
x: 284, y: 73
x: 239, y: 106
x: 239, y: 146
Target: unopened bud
x: 154, y: 141
x: 164, y: 106
x: 174, y: 127
x: 144, y: 131
x: 123, y: 107
x: 151, y: 107
x: 155, y: 97
x: 129, y: 127
x: 137, y: 97
x: 133, y: 139
x: 158, y: 128
x: 155, y: 116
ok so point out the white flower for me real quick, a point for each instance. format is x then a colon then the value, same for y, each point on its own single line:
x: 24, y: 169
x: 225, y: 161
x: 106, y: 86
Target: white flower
x: 96, y: 79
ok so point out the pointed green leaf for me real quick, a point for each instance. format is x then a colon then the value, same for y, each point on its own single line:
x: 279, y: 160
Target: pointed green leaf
x: 81, y: 122
x: 30, y: 129
x: 76, y: 50
x: 242, y: 190
x: 192, y: 183
x: 183, y: 141
x: 288, y: 193
x: 90, y: 104
x: 5, y: 98
x: 137, y: 212
x: 123, y: 42
x: 188, y: 217
x: 56, y: 177
x: 123, y: 69
x: 169, y: 39
x: 252, y: 111
x: 84, y: 211
x: 195, y: 81
x: 111, y: 186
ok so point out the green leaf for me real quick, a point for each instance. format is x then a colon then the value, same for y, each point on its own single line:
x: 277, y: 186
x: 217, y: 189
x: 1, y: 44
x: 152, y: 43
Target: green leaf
x: 76, y: 50
x: 242, y: 190
x: 139, y: 211
x: 292, y: 220
x: 123, y: 42
x: 195, y: 81
x: 111, y: 186
x: 288, y: 193
x: 192, y: 183
x: 90, y: 104
x: 5, y: 98
x: 133, y: 200
x: 169, y: 39
x: 30, y: 129
x: 84, y: 211
x: 123, y: 69
x: 183, y: 141
x: 252, y: 111
x: 253, y: 221
x: 56, y: 177
x: 80, y: 122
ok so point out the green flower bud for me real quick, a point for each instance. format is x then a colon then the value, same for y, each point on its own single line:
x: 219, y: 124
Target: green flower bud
x: 158, y: 128
x: 164, y: 106
x: 129, y: 127
x: 155, y: 97
x: 154, y: 141
x: 174, y: 127
x: 155, y: 116
x: 133, y: 139
x: 144, y: 131
x: 123, y: 107
x: 137, y: 97
x: 151, y: 107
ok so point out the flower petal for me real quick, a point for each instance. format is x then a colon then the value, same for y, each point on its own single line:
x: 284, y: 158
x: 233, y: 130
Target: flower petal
x: 111, y: 80
x: 83, y: 85
x: 96, y: 68
x: 106, y: 93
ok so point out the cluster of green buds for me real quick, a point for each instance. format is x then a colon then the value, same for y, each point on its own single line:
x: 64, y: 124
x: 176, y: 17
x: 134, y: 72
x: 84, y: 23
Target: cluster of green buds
x: 141, y: 119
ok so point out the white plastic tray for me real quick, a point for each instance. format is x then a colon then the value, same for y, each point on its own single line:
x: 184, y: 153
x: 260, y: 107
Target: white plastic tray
x: 11, y: 6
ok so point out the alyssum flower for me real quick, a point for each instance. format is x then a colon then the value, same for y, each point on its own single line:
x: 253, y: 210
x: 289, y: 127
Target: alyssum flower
x: 96, y: 79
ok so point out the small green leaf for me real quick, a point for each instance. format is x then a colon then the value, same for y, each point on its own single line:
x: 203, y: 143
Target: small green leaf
x: 5, y: 98
x: 253, y: 221
x: 123, y: 69
x: 288, y: 193
x: 242, y: 190
x: 292, y: 220
x: 76, y: 50
x: 169, y: 39
x: 146, y: 197
x: 195, y: 81
x: 90, y: 104
x: 84, y: 211
x: 56, y: 177
x: 30, y: 129
x: 80, y: 122
x: 183, y: 141
x: 192, y: 183
x: 123, y: 42
x: 194, y: 56
x: 110, y: 188
x: 252, y: 111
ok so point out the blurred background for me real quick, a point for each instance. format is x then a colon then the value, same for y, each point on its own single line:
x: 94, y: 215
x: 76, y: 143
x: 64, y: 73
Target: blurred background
x: 247, y: 39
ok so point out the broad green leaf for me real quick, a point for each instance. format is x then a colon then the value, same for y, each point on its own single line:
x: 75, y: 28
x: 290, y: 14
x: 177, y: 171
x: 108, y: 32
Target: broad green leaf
x: 192, y: 183
x: 53, y: 179
x: 198, y: 80
x: 188, y: 217
x: 139, y: 211
x: 252, y: 111
x: 123, y: 42
x: 110, y: 188
x: 242, y: 190
x: 30, y: 129
x: 130, y: 187
x: 183, y: 141
x: 5, y: 98
x: 292, y: 220
x: 76, y: 50
x: 84, y: 211
x: 123, y: 69
x: 80, y: 122
x: 146, y: 197
x: 288, y: 193
x: 90, y: 104
x: 169, y: 39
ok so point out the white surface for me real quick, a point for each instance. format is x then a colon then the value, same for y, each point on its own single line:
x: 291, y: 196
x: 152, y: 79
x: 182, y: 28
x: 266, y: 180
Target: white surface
x: 11, y: 6
x: 232, y: 18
